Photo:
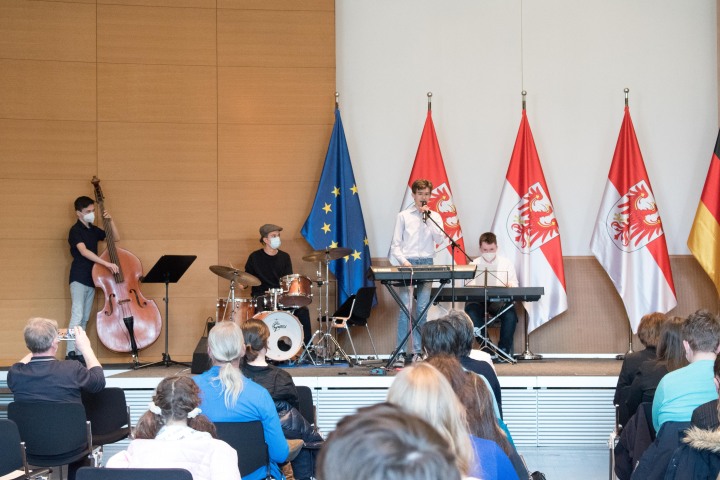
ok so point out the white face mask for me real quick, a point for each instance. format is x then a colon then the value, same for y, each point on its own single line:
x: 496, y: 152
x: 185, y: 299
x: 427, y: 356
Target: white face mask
x: 89, y: 217
x: 275, y: 242
x: 489, y: 257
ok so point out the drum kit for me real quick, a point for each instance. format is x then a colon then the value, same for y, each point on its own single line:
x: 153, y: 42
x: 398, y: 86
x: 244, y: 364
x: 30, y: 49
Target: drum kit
x: 276, y: 307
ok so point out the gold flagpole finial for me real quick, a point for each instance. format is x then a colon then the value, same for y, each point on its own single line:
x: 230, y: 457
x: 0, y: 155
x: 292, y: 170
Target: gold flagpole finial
x: 524, y: 94
x: 337, y: 100
x: 627, y: 90
x: 429, y: 95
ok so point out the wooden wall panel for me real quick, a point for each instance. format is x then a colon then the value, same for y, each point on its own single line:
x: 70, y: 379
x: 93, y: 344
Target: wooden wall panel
x: 47, y: 90
x: 271, y: 153
x: 297, y: 96
x: 161, y: 3
x: 327, y: 5
x: 245, y: 207
x: 156, y: 35
x: 163, y: 210
x: 16, y: 312
x: 38, y: 209
x: 47, y: 31
x: 272, y: 38
x: 157, y: 151
x: 36, y: 269
x: 44, y: 150
x: 157, y: 93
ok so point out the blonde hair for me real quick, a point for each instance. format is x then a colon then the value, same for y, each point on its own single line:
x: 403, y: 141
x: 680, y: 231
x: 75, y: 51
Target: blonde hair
x: 424, y: 391
x: 225, y: 345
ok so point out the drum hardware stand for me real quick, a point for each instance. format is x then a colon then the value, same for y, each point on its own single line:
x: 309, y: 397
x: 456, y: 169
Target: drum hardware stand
x: 325, y: 337
x: 168, y: 269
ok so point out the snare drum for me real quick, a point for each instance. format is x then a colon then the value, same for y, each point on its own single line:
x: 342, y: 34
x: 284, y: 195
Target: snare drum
x: 268, y: 301
x: 296, y: 291
x: 244, y: 310
x: 286, y: 334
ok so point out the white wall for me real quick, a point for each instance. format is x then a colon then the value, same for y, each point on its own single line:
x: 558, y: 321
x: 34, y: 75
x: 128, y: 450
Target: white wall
x: 574, y: 57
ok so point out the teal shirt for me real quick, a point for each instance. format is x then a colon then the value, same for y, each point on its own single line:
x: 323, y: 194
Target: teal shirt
x: 682, y: 391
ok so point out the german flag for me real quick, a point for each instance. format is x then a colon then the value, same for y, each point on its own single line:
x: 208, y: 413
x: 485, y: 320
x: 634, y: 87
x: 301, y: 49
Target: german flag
x: 704, y: 239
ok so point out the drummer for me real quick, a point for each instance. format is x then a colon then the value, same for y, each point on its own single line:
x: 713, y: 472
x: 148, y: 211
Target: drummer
x: 269, y: 264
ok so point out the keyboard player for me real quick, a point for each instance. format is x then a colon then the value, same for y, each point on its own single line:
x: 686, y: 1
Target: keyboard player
x: 494, y: 270
x: 413, y: 243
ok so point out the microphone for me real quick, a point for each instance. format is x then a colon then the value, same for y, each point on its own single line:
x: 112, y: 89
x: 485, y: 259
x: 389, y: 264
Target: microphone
x: 425, y: 214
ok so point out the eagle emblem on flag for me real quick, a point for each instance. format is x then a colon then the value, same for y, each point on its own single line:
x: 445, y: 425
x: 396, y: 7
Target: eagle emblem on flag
x: 634, y: 220
x: 532, y: 221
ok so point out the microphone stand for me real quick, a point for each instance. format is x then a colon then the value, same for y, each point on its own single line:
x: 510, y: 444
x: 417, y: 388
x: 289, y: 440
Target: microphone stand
x: 453, y: 246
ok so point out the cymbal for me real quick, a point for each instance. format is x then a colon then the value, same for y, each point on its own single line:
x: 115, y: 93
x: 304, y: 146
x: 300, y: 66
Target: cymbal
x: 239, y: 276
x: 327, y: 254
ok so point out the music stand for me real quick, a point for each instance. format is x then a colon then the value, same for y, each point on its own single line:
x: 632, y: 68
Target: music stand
x: 168, y: 269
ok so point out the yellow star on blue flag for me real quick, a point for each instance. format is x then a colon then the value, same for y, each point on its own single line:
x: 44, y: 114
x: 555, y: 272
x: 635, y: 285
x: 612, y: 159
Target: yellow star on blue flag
x: 336, y: 219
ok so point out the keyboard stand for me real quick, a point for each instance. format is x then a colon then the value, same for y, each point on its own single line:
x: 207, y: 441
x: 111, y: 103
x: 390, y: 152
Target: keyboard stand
x: 389, y: 284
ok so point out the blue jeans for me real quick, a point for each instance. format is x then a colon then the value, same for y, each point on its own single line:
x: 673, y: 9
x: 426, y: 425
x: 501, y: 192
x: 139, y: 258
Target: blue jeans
x: 82, y: 302
x: 423, y: 299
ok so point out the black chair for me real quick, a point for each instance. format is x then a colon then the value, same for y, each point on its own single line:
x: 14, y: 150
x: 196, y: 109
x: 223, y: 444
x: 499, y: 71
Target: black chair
x: 306, y: 406
x: 108, y: 414
x: 355, y: 312
x: 12, y: 453
x: 248, y: 439
x: 92, y: 473
x: 54, y: 433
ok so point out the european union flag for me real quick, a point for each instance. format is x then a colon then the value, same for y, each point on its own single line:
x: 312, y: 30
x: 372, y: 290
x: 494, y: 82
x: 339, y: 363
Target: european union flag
x: 336, y: 219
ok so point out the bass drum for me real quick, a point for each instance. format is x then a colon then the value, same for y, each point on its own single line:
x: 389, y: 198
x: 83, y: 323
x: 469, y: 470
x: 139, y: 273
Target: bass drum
x: 286, y: 334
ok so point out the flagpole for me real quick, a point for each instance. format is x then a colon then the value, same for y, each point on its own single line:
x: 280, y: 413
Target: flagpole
x: 527, y: 354
x: 429, y: 95
x: 630, y: 350
x: 337, y: 100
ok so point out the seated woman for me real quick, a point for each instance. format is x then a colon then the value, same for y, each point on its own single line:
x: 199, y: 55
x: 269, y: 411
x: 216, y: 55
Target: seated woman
x: 477, y: 400
x: 173, y: 434
x: 282, y: 390
x: 422, y: 390
x: 227, y: 396
x: 670, y: 357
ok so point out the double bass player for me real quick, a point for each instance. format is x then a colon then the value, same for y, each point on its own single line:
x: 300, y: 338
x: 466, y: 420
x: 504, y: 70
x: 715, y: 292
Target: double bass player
x: 83, y: 238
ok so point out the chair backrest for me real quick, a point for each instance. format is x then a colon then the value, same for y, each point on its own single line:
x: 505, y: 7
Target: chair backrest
x: 108, y: 414
x: 346, y: 308
x: 10, y: 453
x: 54, y: 433
x: 307, y: 409
x: 248, y: 439
x: 363, y: 305
x: 92, y: 473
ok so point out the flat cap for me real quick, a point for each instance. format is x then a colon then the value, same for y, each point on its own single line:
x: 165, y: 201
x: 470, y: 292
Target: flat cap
x: 267, y: 228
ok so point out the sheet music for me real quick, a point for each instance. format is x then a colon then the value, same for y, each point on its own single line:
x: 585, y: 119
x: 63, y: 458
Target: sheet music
x: 494, y: 278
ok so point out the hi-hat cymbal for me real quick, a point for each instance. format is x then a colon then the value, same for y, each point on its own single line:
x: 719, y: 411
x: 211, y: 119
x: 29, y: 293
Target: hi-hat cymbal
x: 239, y: 276
x: 327, y: 254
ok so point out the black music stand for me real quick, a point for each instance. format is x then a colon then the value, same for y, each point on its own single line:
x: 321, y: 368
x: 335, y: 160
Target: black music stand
x: 168, y: 269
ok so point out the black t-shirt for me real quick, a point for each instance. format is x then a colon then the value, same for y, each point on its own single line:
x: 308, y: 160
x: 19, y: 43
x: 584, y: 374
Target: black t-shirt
x: 45, y: 379
x: 268, y: 268
x: 81, y: 268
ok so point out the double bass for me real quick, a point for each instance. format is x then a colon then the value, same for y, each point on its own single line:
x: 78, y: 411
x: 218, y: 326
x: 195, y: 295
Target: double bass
x: 128, y: 322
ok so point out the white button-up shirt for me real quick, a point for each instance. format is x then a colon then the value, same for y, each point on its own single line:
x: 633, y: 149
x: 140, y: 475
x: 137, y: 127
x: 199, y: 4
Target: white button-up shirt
x: 500, y: 273
x: 414, y: 238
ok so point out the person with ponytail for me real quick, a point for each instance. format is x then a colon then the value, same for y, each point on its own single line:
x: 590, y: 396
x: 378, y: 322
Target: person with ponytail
x: 227, y: 396
x: 174, y: 434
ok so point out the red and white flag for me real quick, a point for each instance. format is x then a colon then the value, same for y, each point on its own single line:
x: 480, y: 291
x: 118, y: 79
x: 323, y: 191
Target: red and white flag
x: 628, y: 239
x: 704, y: 239
x: 527, y: 230
x: 429, y: 165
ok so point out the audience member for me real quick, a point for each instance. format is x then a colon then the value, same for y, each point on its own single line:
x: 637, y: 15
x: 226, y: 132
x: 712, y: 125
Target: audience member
x: 173, y: 434
x: 227, y: 396
x: 670, y: 357
x: 40, y: 377
x: 699, y: 456
x: 455, y: 337
x: 478, y: 402
x: 384, y: 442
x: 649, y: 334
x: 424, y: 391
x: 282, y: 389
x: 681, y: 391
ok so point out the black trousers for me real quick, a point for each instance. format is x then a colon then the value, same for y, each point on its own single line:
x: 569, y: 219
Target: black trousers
x: 508, y: 321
